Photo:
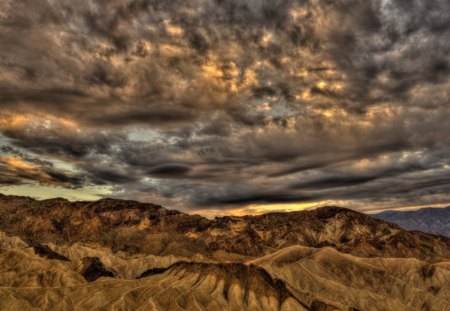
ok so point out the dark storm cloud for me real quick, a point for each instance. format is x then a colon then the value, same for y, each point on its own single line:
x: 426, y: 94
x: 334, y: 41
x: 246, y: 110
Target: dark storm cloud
x: 334, y: 182
x: 59, y: 141
x: 170, y: 170
x: 404, y: 44
x: 262, y: 199
x: 228, y: 103
x: 370, y: 149
x: 341, y: 176
x: 108, y: 175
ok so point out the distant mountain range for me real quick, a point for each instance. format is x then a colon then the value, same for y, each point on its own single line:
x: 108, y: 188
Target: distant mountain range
x: 430, y: 220
x: 126, y: 255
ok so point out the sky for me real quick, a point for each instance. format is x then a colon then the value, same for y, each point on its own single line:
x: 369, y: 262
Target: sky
x: 227, y: 106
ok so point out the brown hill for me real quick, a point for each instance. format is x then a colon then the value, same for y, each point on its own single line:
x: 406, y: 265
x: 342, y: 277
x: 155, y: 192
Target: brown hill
x: 145, y: 228
x: 294, y: 278
x: 126, y: 255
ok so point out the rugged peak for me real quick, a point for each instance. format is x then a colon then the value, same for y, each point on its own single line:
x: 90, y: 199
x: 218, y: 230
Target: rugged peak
x: 56, y: 200
x: 248, y: 277
x: 135, y: 227
x: 331, y: 211
x: 109, y: 205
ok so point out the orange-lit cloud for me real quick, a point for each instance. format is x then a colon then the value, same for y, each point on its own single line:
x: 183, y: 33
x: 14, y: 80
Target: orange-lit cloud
x: 18, y: 164
x: 25, y: 172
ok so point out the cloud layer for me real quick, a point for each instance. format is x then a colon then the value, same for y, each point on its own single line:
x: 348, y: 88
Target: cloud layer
x: 211, y: 104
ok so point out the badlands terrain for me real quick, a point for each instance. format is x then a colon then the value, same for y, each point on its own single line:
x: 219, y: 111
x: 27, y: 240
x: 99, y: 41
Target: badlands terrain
x: 125, y: 255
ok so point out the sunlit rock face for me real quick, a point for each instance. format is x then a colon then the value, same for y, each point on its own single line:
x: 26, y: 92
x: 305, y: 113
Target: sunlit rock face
x: 331, y: 258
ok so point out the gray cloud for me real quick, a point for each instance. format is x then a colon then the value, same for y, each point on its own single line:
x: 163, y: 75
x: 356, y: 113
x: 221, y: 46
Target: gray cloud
x: 218, y: 104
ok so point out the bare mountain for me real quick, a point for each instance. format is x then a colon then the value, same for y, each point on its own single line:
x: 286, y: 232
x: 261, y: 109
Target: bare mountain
x: 136, y: 227
x: 126, y: 255
x: 430, y: 220
x: 294, y: 278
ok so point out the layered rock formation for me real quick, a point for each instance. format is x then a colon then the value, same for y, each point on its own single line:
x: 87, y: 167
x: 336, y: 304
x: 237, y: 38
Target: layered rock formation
x: 126, y: 255
x: 134, y: 227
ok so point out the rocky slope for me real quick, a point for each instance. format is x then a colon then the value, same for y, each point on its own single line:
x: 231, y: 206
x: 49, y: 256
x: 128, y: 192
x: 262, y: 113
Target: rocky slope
x: 125, y: 255
x: 430, y: 220
x: 294, y: 278
x: 345, y: 281
x: 134, y: 227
